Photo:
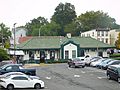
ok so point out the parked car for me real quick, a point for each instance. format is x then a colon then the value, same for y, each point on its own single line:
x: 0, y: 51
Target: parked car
x: 103, y: 63
x: 88, y: 61
x: 76, y: 62
x: 17, y: 73
x: 17, y: 68
x: 113, y: 72
x: 113, y: 62
x: 20, y: 81
x: 95, y: 63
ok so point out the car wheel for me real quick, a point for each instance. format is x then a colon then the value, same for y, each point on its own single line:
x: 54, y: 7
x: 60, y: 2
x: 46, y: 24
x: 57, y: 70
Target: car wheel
x: 119, y: 80
x: 69, y: 65
x: 10, y: 87
x: 83, y: 66
x: 37, y: 86
x: 108, y: 76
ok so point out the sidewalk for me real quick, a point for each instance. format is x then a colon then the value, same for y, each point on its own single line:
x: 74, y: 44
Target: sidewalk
x: 35, y: 65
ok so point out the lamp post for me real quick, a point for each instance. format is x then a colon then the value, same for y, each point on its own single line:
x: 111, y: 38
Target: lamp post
x: 14, y: 40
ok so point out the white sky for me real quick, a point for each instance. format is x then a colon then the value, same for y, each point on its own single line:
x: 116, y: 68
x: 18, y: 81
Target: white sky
x: 22, y: 11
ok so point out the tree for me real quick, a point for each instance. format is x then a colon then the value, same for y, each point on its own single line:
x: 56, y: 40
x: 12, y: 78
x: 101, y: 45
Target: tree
x: 3, y: 55
x: 117, y: 42
x: 34, y: 26
x: 5, y: 34
x: 64, y: 14
x: 92, y: 20
x: 73, y: 28
x: 50, y: 29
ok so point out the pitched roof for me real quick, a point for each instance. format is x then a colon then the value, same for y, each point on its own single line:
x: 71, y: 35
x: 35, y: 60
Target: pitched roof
x: 55, y: 42
x: 23, y: 39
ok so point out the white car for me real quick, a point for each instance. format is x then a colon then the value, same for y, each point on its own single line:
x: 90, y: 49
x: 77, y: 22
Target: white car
x: 20, y: 81
x: 17, y: 73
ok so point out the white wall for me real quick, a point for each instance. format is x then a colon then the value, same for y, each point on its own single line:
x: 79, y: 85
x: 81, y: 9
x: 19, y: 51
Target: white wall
x: 69, y: 47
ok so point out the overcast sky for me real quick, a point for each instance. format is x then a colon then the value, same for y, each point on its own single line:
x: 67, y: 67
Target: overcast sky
x: 22, y: 11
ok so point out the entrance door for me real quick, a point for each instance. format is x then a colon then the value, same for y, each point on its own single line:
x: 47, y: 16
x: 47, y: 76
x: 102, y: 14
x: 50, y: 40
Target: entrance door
x: 42, y: 56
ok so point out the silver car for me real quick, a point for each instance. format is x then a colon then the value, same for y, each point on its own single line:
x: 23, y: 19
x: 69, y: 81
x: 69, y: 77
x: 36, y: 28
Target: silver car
x: 76, y: 62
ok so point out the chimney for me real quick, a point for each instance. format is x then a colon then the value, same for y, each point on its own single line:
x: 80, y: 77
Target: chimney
x: 68, y: 35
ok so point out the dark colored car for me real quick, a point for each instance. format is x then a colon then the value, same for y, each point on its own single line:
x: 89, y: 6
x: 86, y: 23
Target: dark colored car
x: 113, y: 62
x: 113, y: 72
x: 76, y: 62
x: 17, y: 68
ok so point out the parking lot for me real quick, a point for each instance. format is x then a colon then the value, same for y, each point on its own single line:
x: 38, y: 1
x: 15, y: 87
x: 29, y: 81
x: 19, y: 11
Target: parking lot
x: 61, y: 77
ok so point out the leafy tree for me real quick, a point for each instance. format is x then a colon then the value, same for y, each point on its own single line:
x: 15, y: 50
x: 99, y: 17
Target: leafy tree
x: 34, y: 26
x: 73, y: 28
x: 5, y: 34
x: 3, y: 55
x: 64, y: 14
x: 51, y: 29
x: 91, y: 20
x: 117, y: 43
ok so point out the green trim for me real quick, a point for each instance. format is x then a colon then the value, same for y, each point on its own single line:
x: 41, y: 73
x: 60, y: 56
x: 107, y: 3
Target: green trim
x: 62, y: 52
x: 72, y: 42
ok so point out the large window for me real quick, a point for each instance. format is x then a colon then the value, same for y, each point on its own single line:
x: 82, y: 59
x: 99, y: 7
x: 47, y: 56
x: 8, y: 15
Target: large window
x: 98, y: 33
x: 106, y: 33
x: 102, y: 33
x: 66, y: 54
x: 73, y: 53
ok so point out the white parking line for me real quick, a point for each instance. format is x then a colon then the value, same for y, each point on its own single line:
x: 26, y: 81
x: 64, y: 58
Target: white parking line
x: 76, y: 75
x: 48, y: 78
x: 83, y: 72
x: 101, y: 77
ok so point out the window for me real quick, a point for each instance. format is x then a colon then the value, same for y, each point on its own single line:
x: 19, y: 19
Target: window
x: 106, y: 33
x: 102, y: 33
x: 102, y: 39
x: 8, y: 68
x: 20, y: 78
x: 73, y: 53
x: 66, y: 54
x: 92, y: 33
x: 106, y: 40
x: 98, y: 33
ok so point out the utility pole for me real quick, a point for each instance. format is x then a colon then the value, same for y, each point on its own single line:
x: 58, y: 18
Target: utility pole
x: 14, y: 28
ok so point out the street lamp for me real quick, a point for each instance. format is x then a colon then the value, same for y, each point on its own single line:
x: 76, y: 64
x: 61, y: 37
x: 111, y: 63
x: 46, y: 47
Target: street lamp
x: 14, y: 39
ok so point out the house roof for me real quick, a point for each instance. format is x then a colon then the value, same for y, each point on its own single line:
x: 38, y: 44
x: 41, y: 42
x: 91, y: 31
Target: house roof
x: 55, y: 42
x: 23, y: 39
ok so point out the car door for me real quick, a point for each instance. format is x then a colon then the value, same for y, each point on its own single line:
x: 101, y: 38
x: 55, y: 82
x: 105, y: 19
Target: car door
x: 22, y: 82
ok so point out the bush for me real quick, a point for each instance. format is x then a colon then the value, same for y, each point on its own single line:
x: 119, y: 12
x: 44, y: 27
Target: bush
x: 3, y: 55
x: 115, y: 55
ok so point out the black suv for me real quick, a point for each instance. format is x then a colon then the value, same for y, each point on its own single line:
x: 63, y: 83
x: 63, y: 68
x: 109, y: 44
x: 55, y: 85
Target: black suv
x: 113, y: 72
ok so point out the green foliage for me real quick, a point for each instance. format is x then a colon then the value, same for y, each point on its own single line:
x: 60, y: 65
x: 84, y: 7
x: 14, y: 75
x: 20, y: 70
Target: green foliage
x: 64, y: 14
x: 5, y: 33
x: 115, y: 55
x: 51, y: 29
x: 117, y: 43
x: 92, y: 20
x: 72, y: 28
x: 3, y: 55
x: 34, y: 26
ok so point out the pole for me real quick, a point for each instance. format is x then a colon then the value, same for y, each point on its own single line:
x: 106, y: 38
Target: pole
x: 14, y: 40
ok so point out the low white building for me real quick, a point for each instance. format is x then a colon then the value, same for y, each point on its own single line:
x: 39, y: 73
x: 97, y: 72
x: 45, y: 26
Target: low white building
x: 59, y: 47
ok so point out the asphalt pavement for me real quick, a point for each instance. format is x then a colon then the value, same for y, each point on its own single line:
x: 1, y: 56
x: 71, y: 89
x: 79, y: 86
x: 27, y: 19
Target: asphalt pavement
x: 61, y: 77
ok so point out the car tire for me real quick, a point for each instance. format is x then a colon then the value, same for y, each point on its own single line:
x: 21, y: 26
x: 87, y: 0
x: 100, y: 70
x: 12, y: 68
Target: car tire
x: 37, y: 86
x: 119, y: 80
x: 83, y: 66
x: 108, y: 76
x: 10, y: 87
x: 69, y: 65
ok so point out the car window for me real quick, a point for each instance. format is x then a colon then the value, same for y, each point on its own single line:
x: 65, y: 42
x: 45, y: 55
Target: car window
x: 8, y: 68
x: 20, y: 78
